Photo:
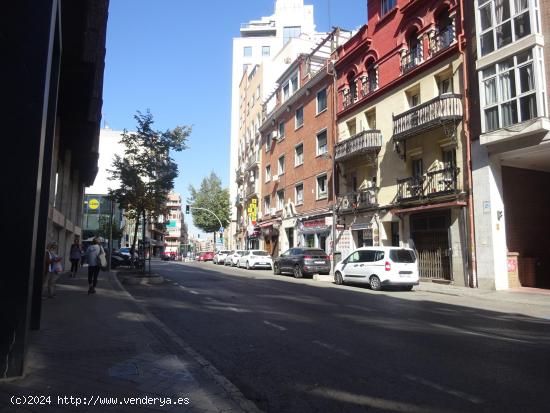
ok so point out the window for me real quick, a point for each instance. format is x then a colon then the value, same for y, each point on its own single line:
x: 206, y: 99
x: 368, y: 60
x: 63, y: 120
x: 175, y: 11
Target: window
x: 280, y: 199
x: 445, y: 85
x: 414, y: 99
x: 299, y: 118
x: 371, y: 118
x: 281, y: 164
x: 449, y: 158
x: 299, y: 194
x: 386, y: 6
x: 268, y: 173
x: 299, y: 155
x: 267, y: 204
x: 290, y: 32
x: 322, y: 187
x: 268, y: 142
x: 322, y: 143
x: 509, y: 92
x: 294, y: 83
x: 502, y: 22
x: 321, y: 101
x: 266, y: 50
x: 247, y: 51
x: 286, y: 91
x: 281, y: 130
x: 417, y: 168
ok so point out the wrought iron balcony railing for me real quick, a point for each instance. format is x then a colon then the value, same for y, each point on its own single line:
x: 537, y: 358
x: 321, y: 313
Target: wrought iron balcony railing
x: 432, y: 184
x: 368, y: 87
x: 410, y: 60
x: 434, y: 113
x: 368, y: 140
x: 349, y: 99
x: 364, y: 199
x: 442, y: 39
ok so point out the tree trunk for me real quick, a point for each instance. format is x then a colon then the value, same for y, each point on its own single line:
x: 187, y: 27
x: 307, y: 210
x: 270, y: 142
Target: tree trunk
x: 214, y: 241
x: 136, y: 226
x: 144, y: 228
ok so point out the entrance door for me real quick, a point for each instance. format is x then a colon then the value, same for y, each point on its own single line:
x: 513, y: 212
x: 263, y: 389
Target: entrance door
x: 430, y: 233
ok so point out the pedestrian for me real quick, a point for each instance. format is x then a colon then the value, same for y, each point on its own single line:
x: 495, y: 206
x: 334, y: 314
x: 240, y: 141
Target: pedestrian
x: 92, y: 255
x: 75, y: 256
x: 52, y: 269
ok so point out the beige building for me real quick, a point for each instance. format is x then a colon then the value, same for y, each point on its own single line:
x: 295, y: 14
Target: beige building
x: 248, y: 171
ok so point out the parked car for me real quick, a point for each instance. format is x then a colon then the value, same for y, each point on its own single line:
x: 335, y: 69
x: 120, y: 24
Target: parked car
x: 233, y: 259
x: 206, y: 256
x: 302, y: 261
x: 169, y: 256
x: 255, y: 259
x: 379, y: 267
x: 125, y: 251
x: 219, y: 257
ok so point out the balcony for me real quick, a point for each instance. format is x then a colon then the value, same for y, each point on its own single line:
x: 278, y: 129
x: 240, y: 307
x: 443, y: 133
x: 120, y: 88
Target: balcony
x: 433, y: 184
x: 239, y: 176
x: 368, y: 86
x: 366, y: 141
x: 355, y: 200
x: 253, y: 189
x: 253, y: 162
x: 442, y: 40
x: 349, y: 99
x: 430, y: 115
x: 410, y: 60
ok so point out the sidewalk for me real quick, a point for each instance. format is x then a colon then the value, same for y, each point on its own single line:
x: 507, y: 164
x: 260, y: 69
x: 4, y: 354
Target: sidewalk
x: 105, y: 345
x: 528, y: 296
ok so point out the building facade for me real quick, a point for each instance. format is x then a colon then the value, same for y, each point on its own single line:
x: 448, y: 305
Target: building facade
x: 175, y: 237
x: 263, y: 41
x: 401, y: 153
x: 296, y: 163
x: 511, y: 149
x: 54, y: 54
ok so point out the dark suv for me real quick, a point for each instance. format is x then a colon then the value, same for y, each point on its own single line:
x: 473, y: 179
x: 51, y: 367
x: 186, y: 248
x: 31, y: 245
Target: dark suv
x: 302, y: 261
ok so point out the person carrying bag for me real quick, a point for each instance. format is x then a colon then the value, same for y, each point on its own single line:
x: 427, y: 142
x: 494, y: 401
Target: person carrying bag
x: 94, y: 254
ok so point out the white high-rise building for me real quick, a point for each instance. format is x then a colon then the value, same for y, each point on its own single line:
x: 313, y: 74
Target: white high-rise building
x: 261, y: 42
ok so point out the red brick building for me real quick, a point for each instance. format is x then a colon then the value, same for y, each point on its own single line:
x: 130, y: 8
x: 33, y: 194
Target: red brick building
x: 296, y: 166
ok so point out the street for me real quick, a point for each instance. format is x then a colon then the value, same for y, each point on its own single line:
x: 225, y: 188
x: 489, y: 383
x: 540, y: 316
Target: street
x: 306, y: 346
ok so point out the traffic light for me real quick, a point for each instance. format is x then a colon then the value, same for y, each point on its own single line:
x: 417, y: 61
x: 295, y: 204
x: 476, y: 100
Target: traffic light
x: 187, y: 208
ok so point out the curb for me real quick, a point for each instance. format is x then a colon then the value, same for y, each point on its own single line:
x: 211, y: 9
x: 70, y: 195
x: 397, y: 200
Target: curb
x: 232, y: 391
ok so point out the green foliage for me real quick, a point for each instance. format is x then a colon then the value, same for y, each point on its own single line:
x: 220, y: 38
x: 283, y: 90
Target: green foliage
x: 211, y: 196
x: 103, y: 230
x: 146, y: 171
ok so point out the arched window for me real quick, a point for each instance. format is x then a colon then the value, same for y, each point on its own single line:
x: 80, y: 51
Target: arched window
x: 413, y: 56
x: 372, y: 77
x: 352, y: 86
x: 445, y: 34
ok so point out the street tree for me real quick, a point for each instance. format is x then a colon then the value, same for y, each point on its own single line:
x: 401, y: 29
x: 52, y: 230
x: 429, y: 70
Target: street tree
x: 213, y: 197
x: 145, y: 170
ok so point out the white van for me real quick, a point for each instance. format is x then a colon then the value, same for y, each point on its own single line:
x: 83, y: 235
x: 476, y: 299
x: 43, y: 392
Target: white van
x: 379, y: 267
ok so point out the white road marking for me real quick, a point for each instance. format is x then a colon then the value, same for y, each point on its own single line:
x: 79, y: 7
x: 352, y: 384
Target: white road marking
x: 445, y: 389
x: 331, y: 347
x: 486, y: 335
x: 277, y: 326
x: 194, y: 292
x: 175, y: 284
x: 358, y: 307
x: 183, y: 287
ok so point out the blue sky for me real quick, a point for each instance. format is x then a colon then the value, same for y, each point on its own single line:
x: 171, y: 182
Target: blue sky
x: 174, y: 58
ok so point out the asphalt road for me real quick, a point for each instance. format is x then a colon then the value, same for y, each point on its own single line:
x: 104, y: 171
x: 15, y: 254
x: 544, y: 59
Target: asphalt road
x: 308, y: 346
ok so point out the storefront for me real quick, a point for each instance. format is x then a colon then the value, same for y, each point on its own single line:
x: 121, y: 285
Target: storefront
x: 253, y: 234
x: 315, y: 233
x: 270, y: 236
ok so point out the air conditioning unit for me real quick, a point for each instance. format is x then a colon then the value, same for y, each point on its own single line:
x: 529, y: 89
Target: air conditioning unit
x: 275, y: 136
x: 251, y: 179
x: 275, y: 178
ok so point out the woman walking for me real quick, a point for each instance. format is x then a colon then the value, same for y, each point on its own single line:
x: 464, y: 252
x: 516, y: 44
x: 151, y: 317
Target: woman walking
x: 92, y: 255
x: 52, y: 268
x: 75, y: 256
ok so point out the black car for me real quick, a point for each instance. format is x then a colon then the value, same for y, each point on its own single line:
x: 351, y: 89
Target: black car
x: 302, y: 261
